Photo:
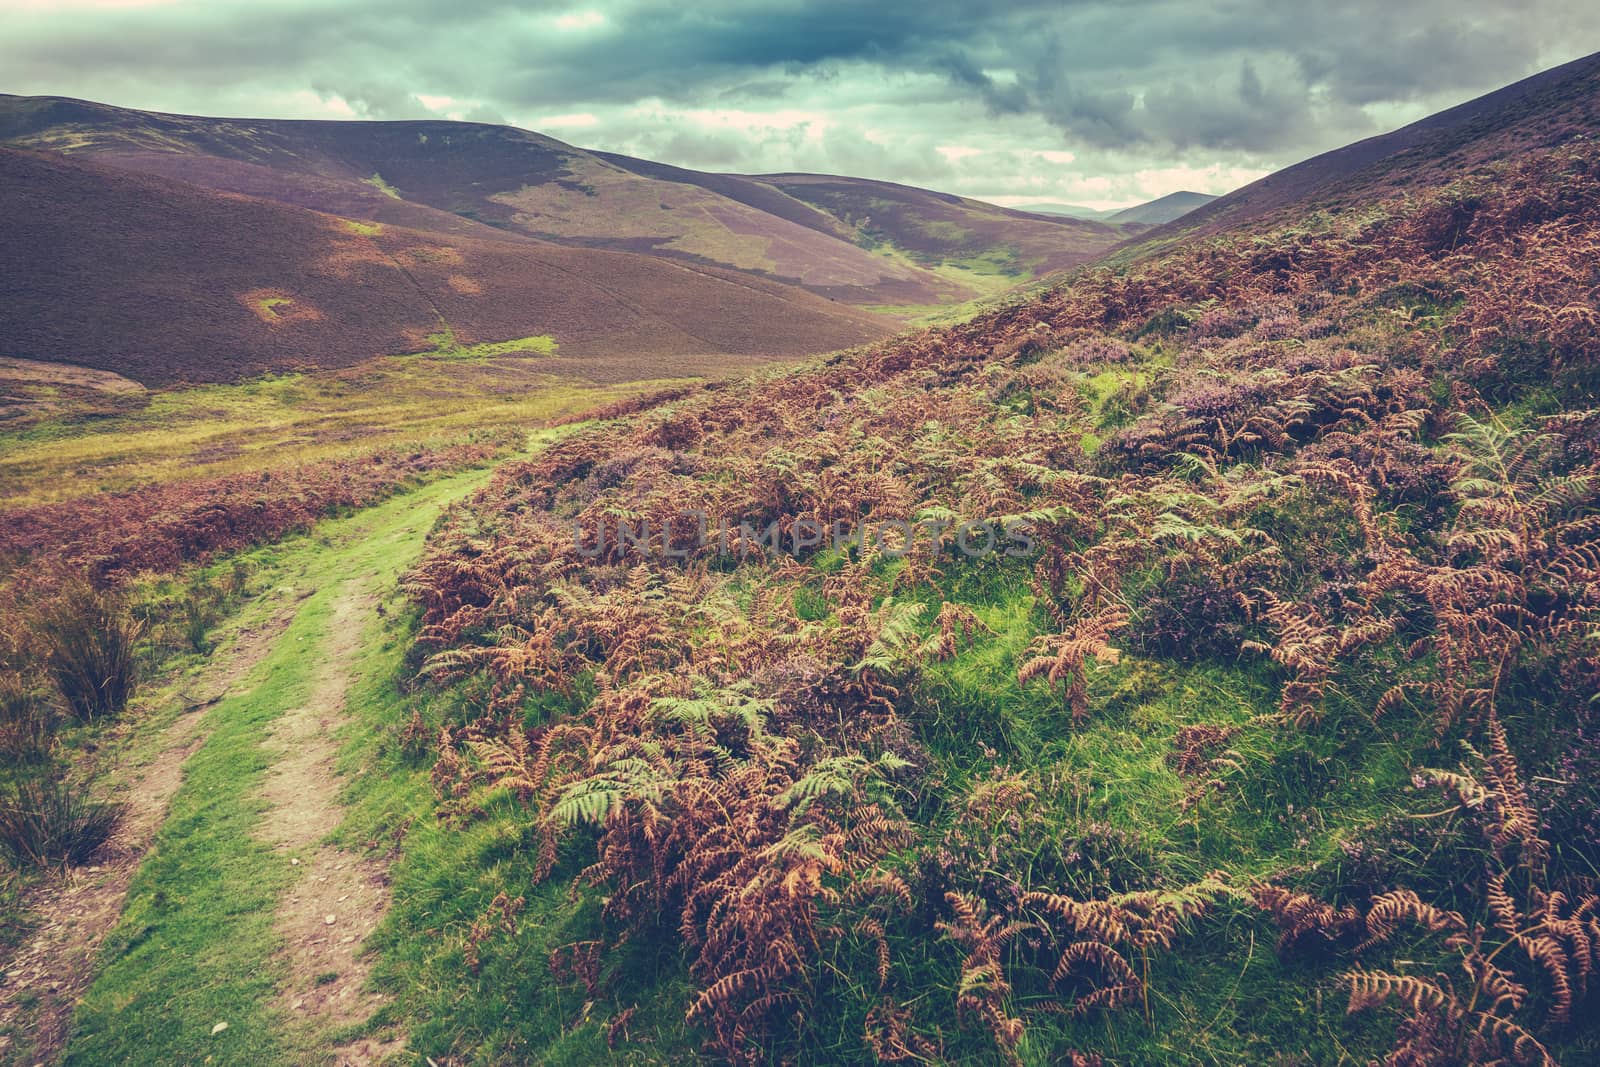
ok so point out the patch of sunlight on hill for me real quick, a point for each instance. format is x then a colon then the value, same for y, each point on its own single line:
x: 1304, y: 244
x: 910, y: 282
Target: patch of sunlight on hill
x: 91, y: 442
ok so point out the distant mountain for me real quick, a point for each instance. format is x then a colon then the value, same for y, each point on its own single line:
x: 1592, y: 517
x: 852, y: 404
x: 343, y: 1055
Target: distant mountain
x: 1150, y: 213
x: 935, y: 229
x: 1073, y: 211
x: 861, y: 242
x: 1160, y: 210
x: 163, y: 281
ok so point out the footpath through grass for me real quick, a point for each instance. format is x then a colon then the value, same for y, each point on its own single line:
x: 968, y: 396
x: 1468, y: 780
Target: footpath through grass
x: 196, y: 945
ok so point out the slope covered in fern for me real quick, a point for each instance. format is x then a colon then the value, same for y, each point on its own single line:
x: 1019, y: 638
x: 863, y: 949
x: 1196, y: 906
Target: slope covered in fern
x: 1313, y: 520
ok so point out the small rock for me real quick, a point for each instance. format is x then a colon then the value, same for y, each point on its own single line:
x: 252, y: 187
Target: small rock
x: 217, y: 1029
x: 330, y: 919
x: 294, y: 863
x: 346, y: 940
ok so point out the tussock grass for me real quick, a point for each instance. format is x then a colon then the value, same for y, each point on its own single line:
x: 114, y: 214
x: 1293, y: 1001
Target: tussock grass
x: 45, y: 822
x: 27, y: 722
x: 89, y: 640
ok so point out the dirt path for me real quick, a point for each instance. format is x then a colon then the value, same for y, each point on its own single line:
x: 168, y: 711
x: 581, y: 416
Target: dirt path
x: 339, y: 897
x: 49, y: 971
x: 203, y: 977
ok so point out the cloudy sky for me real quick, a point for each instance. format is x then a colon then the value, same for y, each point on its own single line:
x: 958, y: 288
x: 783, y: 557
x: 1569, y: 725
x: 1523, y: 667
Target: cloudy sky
x: 1076, y: 101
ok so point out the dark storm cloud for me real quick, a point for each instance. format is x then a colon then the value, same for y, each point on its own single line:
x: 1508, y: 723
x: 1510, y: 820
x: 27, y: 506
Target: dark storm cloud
x: 1145, y: 85
x: 1160, y: 74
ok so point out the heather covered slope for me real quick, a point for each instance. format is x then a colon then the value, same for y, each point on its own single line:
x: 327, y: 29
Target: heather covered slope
x: 163, y: 281
x: 937, y: 228
x: 876, y: 244
x: 1276, y: 748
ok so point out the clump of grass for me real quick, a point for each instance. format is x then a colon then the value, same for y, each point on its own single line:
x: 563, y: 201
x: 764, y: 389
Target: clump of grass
x: 26, y: 722
x: 88, y: 638
x: 200, y: 611
x: 45, y: 822
x: 236, y: 582
x: 178, y: 614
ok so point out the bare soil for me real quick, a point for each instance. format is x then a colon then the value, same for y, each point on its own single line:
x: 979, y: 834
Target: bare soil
x: 340, y: 896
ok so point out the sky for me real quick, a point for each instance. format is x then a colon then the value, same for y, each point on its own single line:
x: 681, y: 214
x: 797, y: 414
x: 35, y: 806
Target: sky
x: 1085, y: 102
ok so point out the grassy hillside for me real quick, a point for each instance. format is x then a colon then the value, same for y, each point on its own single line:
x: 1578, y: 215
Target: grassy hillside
x: 1269, y: 743
x: 869, y: 243
x: 1150, y: 213
x: 63, y: 441
x: 162, y: 281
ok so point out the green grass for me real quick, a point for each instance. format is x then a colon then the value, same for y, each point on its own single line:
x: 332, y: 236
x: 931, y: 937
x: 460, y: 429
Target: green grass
x: 116, y: 442
x: 987, y: 276
x: 267, y: 306
x: 445, y: 346
x: 1222, y: 996
x: 377, y: 182
x: 195, y: 941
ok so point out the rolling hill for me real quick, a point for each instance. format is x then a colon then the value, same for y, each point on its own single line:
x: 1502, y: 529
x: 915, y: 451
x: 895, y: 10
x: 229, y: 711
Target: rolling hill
x: 1150, y: 213
x: 861, y: 242
x: 1073, y: 211
x: 940, y: 228
x: 1163, y: 209
x: 161, y: 281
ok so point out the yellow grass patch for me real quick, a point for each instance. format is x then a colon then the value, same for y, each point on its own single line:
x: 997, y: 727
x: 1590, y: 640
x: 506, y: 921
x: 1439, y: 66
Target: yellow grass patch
x: 204, y: 431
x: 276, y: 307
